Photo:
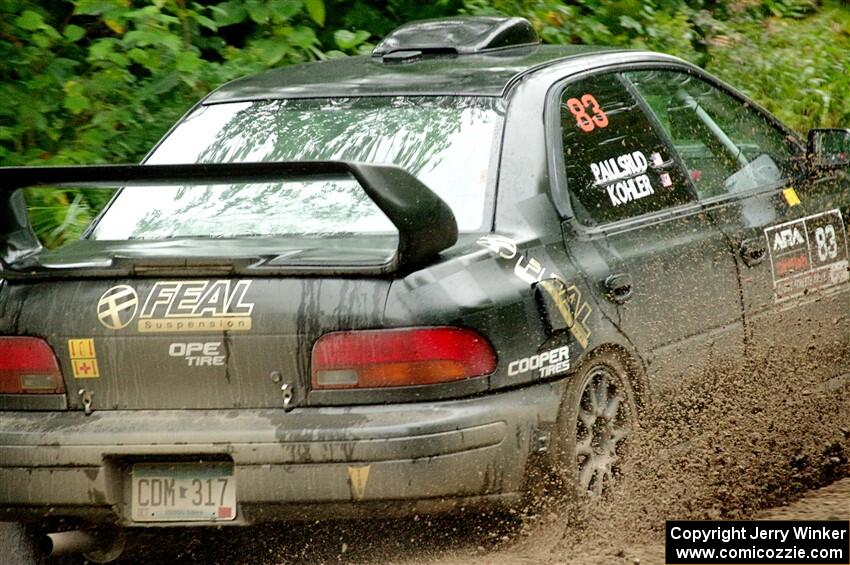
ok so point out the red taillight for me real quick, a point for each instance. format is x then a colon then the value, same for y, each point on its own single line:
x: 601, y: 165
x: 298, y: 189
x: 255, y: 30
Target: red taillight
x: 28, y: 366
x: 404, y: 357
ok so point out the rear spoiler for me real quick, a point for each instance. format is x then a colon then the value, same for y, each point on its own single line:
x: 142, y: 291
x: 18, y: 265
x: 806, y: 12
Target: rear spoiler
x: 425, y: 223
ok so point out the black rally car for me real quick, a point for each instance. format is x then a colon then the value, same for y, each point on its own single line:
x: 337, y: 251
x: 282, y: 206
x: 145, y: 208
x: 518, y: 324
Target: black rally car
x: 395, y: 283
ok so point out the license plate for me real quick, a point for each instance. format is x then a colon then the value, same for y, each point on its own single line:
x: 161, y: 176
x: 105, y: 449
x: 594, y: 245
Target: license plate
x: 183, y: 492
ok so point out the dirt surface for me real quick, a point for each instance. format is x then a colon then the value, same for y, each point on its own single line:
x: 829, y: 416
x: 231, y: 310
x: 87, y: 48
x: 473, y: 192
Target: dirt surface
x: 828, y: 503
x: 448, y: 541
x: 739, y: 442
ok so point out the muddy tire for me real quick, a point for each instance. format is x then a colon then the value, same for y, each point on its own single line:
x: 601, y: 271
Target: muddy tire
x: 598, y: 413
x: 17, y: 544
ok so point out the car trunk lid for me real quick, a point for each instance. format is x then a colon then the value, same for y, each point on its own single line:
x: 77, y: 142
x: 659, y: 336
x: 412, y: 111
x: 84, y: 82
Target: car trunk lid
x: 164, y: 343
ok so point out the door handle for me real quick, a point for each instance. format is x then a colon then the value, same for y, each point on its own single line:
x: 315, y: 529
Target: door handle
x: 753, y: 251
x: 618, y: 287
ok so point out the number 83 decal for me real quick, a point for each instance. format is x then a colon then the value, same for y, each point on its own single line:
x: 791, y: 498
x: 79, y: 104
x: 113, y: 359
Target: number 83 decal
x: 579, y: 107
x: 827, y: 243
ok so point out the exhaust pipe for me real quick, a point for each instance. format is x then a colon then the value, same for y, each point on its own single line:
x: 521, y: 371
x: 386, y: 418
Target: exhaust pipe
x: 67, y: 543
x: 98, y: 547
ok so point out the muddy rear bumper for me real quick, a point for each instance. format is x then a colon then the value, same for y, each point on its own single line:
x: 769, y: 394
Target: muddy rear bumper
x: 422, y: 457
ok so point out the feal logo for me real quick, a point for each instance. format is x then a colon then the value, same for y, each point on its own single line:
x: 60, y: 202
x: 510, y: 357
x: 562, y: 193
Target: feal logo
x: 117, y: 307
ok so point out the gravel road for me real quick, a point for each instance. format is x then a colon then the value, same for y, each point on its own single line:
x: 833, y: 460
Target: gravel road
x: 761, y: 441
x: 545, y: 540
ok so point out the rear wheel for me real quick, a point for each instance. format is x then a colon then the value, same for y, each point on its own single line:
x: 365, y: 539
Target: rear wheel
x: 598, y: 414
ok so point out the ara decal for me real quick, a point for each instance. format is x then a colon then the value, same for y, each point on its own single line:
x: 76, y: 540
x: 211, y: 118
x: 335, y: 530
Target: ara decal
x: 808, y: 254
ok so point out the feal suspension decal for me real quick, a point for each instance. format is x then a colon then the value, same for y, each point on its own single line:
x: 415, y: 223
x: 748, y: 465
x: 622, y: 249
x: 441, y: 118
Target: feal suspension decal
x: 178, y: 306
x: 806, y: 255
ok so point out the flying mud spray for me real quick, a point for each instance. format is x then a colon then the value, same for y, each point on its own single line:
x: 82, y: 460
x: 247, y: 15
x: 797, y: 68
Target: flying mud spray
x: 724, y: 444
x: 727, y: 442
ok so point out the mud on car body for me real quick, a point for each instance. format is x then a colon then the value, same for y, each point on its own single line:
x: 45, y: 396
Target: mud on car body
x: 396, y: 284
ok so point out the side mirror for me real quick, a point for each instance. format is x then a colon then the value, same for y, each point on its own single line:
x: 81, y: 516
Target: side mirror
x: 829, y: 148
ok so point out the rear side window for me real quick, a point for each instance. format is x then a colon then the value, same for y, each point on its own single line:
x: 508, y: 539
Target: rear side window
x: 617, y: 164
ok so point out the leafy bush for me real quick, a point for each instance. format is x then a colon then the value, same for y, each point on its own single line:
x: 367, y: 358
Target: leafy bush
x: 665, y: 26
x: 798, y: 69
x: 102, y: 80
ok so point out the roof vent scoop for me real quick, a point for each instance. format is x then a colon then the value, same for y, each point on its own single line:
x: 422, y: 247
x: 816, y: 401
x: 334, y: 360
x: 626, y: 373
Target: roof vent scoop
x: 456, y: 36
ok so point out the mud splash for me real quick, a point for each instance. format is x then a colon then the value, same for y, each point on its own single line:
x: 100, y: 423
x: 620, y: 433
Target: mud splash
x: 724, y: 444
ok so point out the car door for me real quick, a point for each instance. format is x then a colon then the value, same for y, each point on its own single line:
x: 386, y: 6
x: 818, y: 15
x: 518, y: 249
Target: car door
x: 663, y: 272
x: 789, y: 236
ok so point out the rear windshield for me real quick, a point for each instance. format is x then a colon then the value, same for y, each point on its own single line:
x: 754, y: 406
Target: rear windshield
x: 446, y: 142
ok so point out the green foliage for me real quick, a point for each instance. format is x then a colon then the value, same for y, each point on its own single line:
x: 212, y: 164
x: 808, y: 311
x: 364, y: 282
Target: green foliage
x: 672, y: 27
x: 92, y: 81
x: 799, y: 70
x: 97, y: 81
x: 60, y: 216
x: 101, y: 80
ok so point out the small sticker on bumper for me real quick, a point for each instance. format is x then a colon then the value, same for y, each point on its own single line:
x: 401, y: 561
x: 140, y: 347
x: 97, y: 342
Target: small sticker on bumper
x: 358, y: 477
